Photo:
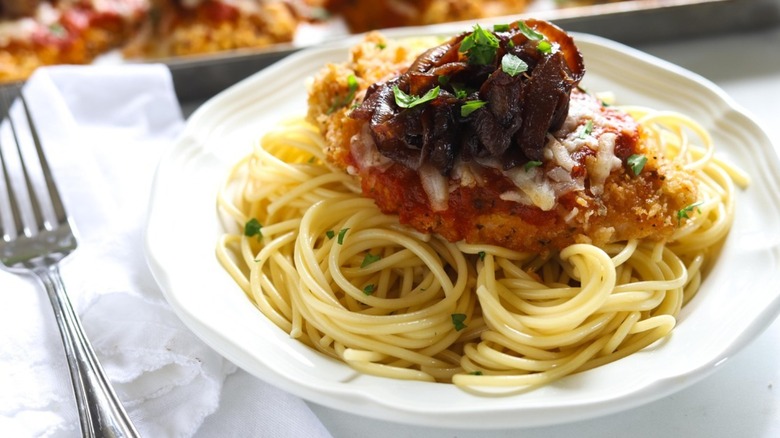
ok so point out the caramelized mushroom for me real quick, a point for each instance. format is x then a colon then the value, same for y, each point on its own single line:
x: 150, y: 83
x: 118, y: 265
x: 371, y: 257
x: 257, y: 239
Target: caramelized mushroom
x: 515, y: 106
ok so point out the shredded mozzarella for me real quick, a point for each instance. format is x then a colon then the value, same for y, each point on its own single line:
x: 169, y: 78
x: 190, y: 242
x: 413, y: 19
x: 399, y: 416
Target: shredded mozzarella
x: 560, y: 154
x: 539, y: 186
x: 603, y: 164
x: 533, y: 183
x: 436, y: 187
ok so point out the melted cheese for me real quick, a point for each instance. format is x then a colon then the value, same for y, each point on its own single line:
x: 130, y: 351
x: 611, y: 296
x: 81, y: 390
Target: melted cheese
x: 364, y: 151
x: 436, y: 187
x: 603, y: 164
x: 534, y: 184
x: 586, y: 128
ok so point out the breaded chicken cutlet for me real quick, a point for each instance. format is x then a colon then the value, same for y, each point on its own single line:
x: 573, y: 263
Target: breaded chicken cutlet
x: 487, y: 138
x: 365, y: 15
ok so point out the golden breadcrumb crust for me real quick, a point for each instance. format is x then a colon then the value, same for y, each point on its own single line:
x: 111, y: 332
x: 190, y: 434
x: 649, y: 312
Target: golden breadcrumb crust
x: 211, y: 27
x: 365, y: 15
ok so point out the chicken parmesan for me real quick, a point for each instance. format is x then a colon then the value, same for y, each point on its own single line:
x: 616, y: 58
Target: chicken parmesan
x: 34, y: 33
x: 364, y: 15
x: 463, y: 211
x: 488, y: 138
x: 189, y: 27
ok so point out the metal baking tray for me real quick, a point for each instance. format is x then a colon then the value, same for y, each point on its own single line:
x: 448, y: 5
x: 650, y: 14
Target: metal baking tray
x: 630, y: 21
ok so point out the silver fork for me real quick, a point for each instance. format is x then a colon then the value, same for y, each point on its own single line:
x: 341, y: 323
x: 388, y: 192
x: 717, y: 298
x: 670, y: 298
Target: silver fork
x: 34, y: 237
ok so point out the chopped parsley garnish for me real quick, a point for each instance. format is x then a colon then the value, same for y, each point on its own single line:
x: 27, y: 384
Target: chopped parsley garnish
x: 369, y: 259
x: 685, y: 213
x: 369, y: 289
x: 512, y: 65
x: 342, y: 233
x: 545, y: 47
x: 480, y: 46
x: 500, y: 27
x: 381, y: 46
x: 58, y: 30
x: 458, y: 320
x: 586, y: 129
x: 471, y: 106
x: 443, y: 80
x: 476, y: 373
x: 531, y: 164
x: 404, y: 100
x: 352, y: 87
x: 461, y: 92
x: 636, y: 162
x: 252, y: 228
x: 481, y: 255
x: 528, y: 32
x: 330, y: 233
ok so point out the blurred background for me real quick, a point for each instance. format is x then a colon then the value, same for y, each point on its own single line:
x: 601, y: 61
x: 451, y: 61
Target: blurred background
x: 211, y: 44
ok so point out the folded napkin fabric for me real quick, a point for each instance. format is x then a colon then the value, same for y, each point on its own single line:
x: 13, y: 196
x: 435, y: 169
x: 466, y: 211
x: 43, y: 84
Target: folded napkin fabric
x: 104, y: 129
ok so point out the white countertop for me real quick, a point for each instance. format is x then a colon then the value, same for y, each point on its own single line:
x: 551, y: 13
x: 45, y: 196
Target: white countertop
x: 742, y: 398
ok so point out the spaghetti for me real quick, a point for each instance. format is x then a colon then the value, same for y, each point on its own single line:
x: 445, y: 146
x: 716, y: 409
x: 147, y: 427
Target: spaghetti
x: 331, y: 270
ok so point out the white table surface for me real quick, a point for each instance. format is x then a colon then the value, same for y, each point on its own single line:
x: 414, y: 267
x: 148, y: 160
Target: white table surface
x: 742, y: 398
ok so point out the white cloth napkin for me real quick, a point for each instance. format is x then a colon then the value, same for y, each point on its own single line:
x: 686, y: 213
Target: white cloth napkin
x: 104, y: 129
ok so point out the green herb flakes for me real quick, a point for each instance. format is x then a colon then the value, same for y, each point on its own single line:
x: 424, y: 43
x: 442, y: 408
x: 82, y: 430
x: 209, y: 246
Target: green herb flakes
x: 404, y: 100
x: 586, y: 129
x: 528, y: 32
x: 342, y: 233
x: 369, y: 289
x: 461, y: 92
x: 685, y: 213
x: 512, y: 65
x: 636, y: 162
x: 369, y: 259
x: 480, y: 46
x: 531, y: 164
x: 252, y: 228
x: 545, y: 47
x: 58, y: 30
x: 471, y: 106
x: 352, y: 87
x: 458, y: 320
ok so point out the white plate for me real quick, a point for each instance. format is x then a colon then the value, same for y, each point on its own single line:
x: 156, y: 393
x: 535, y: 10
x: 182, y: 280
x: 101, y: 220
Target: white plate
x: 737, y: 301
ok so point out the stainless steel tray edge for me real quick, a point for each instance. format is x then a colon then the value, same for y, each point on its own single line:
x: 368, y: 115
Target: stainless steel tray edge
x: 631, y: 22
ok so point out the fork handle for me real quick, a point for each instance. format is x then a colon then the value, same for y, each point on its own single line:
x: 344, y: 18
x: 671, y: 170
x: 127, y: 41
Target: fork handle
x: 100, y: 411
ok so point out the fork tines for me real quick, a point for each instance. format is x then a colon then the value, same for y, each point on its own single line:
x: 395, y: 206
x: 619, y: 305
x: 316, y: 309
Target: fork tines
x: 29, y: 199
